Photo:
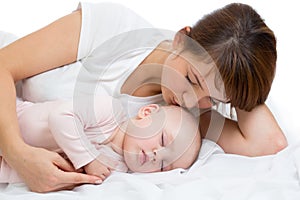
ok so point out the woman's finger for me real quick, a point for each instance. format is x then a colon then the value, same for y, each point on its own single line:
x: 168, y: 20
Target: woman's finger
x: 63, y: 164
x: 79, y: 178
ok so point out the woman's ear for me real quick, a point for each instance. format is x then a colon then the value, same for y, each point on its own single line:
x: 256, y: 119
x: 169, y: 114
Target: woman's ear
x: 180, y: 37
x: 147, y: 110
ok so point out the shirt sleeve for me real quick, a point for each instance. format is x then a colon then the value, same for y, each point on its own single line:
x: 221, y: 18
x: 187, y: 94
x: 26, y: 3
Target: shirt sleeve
x: 74, y: 124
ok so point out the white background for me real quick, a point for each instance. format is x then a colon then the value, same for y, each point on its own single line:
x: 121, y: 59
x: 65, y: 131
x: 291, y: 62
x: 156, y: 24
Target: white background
x: 24, y: 16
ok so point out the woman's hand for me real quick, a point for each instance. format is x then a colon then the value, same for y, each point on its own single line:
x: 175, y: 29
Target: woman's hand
x: 256, y: 133
x: 45, y: 171
x: 42, y: 170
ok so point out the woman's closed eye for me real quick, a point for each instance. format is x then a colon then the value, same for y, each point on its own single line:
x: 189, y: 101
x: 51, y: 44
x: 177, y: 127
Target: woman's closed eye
x: 193, y: 78
x: 190, y: 80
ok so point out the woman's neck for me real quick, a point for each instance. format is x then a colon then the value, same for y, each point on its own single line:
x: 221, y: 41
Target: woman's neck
x: 146, y: 79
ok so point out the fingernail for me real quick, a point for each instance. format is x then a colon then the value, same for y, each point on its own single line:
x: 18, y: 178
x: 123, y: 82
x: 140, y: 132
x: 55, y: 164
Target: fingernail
x: 98, y: 181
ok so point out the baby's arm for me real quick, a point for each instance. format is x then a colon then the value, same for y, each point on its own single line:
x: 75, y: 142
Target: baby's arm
x: 67, y: 129
x: 69, y: 126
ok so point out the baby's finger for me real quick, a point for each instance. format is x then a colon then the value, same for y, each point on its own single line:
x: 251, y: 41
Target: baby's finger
x: 107, y: 172
x: 80, y: 170
x: 63, y: 164
x: 103, y: 177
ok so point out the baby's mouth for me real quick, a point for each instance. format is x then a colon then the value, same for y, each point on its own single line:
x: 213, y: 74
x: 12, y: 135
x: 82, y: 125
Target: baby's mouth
x: 143, y: 157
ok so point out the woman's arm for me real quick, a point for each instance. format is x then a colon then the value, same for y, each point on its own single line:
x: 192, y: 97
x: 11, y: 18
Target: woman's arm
x: 259, y: 127
x: 255, y: 134
x: 48, y: 48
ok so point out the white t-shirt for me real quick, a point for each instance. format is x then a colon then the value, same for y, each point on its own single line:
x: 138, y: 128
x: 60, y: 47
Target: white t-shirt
x: 113, y: 42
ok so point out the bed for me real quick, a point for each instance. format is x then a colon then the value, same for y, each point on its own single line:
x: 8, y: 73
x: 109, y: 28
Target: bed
x: 216, y: 175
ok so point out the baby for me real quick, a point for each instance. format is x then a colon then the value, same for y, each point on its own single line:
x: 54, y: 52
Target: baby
x: 99, y: 137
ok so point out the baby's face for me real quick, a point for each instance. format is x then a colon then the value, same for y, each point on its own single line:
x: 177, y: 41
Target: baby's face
x: 162, y: 141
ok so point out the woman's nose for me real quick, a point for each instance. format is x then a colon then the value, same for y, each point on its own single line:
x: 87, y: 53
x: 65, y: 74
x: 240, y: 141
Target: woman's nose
x: 191, y: 101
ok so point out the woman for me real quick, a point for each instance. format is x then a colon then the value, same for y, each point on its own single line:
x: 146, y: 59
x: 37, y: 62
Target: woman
x: 234, y: 39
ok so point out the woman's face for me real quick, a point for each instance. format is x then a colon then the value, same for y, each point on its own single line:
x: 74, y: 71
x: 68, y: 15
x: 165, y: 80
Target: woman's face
x: 190, y: 83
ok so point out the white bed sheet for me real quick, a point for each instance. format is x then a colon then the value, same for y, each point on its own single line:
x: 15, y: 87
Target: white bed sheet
x: 214, y: 176
x: 217, y: 175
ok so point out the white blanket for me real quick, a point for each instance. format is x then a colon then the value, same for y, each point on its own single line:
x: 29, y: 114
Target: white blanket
x: 216, y: 175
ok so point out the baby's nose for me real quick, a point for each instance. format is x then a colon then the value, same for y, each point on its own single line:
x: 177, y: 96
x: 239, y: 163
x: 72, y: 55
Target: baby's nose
x: 153, y: 156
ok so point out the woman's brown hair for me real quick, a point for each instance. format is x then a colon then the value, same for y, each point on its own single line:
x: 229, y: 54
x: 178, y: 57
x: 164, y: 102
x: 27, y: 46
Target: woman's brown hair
x: 244, y: 50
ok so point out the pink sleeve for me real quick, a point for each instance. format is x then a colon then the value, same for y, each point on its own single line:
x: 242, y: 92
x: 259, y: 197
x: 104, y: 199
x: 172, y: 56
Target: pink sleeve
x: 68, y: 131
x: 74, y: 124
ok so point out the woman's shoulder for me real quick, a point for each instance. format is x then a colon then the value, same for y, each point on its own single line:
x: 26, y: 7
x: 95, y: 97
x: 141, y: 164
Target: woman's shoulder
x: 104, y: 12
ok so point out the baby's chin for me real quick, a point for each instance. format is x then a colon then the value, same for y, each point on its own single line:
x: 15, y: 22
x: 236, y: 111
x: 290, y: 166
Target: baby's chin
x: 134, y: 167
x: 139, y: 169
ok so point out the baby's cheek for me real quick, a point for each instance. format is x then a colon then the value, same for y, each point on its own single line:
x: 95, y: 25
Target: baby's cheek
x: 131, y: 161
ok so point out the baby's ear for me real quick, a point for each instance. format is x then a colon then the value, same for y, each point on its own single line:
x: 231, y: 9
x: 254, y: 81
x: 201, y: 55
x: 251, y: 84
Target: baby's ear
x: 147, y: 110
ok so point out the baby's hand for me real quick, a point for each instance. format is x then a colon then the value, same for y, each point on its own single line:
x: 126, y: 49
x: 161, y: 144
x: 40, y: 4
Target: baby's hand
x: 106, y: 161
x: 97, y: 168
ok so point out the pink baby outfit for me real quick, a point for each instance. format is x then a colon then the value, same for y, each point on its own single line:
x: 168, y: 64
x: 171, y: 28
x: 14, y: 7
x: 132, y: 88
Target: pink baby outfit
x: 78, y: 129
